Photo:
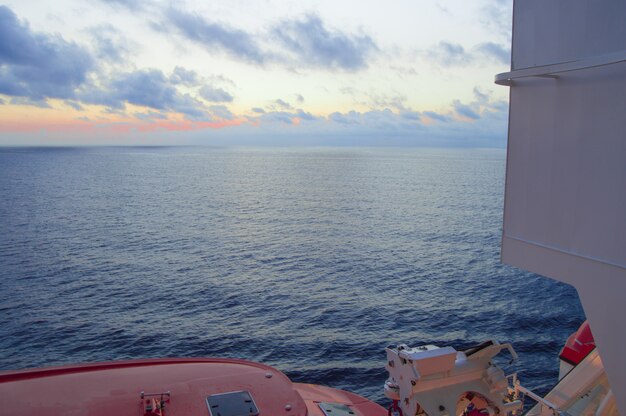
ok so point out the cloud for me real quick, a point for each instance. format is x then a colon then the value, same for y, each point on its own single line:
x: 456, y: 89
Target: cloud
x: 132, y: 5
x: 221, y: 79
x: 436, y: 116
x: 481, y: 97
x: 150, y: 116
x: 215, y: 95
x: 75, y: 105
x: 36, y: 65
x: 498, y: 52
x: 465, y: 110
x: 482, y: 106
x: 497, y: 16
x: 147, y: 88
x: 313, y: 44
x: 41, y: 103
x: 283, y: 104
x: 278, y: 116
x: 222, y: 112
x: 376, y: 99
x: 214, y: 36
x: 303, y: 115
x: 385, y: 119
x: 411, y: 115
x: 295, y: 43
x: 184, y: 76
x: 449, y: 54
x: 351, y: 117
x: 283, y: 117
x: 403, y: 71
x: 110, y: 45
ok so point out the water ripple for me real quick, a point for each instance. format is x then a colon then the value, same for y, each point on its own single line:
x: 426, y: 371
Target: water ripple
x: 311, y: 260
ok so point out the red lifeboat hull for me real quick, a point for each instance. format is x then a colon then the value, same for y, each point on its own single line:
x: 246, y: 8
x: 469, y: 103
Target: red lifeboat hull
x: 578, y: 345
x: 183, y: 387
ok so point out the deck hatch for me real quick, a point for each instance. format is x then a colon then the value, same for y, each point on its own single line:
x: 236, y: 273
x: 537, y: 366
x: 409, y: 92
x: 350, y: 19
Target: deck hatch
x: 235, y: 403
x: 336, y: 409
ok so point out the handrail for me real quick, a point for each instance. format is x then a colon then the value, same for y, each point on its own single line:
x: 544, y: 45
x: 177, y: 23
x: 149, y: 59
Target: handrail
x: 543, y: 402
x: 552, y: 70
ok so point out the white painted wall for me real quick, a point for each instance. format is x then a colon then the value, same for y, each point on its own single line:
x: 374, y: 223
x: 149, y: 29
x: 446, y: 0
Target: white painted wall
x: 565, y: 202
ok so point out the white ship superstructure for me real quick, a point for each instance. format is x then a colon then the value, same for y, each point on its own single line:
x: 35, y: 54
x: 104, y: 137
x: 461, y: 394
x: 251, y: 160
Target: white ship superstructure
x: 565, y: 200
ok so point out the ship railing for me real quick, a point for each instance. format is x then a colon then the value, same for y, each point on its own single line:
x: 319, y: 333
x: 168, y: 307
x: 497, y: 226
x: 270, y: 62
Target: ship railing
x: 553, y: 70
x: 547, y: 407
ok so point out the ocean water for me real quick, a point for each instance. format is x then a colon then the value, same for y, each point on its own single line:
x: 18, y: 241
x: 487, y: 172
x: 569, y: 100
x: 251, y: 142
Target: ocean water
x: 308, y: 259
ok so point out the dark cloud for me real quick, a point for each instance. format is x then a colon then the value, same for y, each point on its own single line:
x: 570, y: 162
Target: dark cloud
x: 301, y: 42
x: 211, y: 36
x: 303, y: 115
x: 1, y: 101
x: 147, y: 88
x: 283, y: 104
x: 258, y: 110
x: 35, y: 65
x: 299, y: 98
x: 313, y: 44
x: 481, y: 97
x: 41, y: 103
x: 498, y: 52
x: 184, y: 76
x: 411, y: 115
x: 191, y: 107
x: 465, y: 110
x: 215, y: 95
x: 483, y: 100
x: 436, y: 116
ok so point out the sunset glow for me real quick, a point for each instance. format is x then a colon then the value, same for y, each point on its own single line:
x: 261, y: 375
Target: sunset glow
x: 124, y: 67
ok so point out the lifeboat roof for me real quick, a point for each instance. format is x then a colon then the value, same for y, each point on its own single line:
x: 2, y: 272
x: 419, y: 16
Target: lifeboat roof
x: 183, y: 385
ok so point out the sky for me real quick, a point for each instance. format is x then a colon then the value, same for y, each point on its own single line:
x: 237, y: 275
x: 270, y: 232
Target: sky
x: 320, y: 72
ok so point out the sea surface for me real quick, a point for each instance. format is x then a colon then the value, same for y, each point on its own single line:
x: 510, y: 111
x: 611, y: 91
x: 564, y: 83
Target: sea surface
x: 308, y: 259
